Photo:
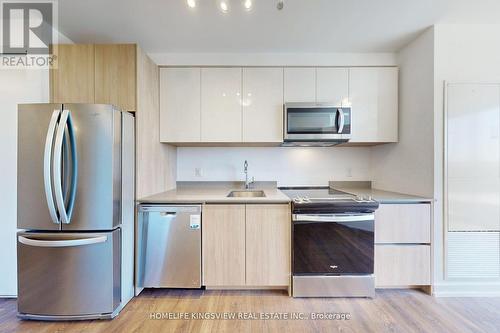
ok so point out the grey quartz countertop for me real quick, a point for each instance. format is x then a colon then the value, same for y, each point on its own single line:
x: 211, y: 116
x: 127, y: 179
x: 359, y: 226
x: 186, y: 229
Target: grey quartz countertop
x: 384, y: 197
x: 215, y: 192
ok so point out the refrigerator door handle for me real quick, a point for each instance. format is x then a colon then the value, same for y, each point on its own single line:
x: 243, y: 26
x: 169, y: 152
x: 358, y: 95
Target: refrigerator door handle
x: 62, y: 243
x: 47, y: 159
x: 56, y: 167
x: 74, y: 165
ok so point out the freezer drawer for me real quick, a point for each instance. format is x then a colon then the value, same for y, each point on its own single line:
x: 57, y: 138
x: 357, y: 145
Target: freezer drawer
x: 68, y: 275
x: 170, y: 244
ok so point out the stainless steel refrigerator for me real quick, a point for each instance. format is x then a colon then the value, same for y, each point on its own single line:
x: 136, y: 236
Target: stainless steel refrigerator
x: 75, y: 198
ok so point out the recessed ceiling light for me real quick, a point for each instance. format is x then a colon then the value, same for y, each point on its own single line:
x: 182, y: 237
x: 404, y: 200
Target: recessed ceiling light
x: 224, y: 7
x: 191, y: 3
x: 247, y: 4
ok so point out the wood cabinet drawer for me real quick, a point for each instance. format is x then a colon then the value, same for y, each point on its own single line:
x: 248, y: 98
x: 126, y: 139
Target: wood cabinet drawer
x: 403, y: 223
x: 402, y: 265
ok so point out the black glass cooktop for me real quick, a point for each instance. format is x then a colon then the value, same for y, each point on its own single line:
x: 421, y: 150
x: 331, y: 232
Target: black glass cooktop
x: 325, y: 193
x: 325, y: 200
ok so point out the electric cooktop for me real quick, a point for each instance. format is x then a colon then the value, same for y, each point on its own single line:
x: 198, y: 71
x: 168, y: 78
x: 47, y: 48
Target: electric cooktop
x: 325, y: 200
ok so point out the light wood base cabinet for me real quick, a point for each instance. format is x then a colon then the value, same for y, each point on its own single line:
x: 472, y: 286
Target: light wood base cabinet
x: 402, y: 265
x: 403, y: 245
x: 246, y: 246
x: 267, y: 245
x: 223, y: 237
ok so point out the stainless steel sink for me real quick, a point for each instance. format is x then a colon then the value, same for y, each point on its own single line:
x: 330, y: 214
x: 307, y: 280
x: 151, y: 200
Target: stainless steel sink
x: 246, y: 194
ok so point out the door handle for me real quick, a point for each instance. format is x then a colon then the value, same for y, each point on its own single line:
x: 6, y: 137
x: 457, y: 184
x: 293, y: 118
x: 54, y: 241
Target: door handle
x: 62, y: 243
x: 168, y: 214
x: 341, y: 121
x: 56, y: 167
x: 74, y: 165
x: 333, y: 218
x: 47, y: 165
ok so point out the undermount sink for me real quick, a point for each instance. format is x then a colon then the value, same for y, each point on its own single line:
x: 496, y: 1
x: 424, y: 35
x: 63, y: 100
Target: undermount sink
x: 246, y: 194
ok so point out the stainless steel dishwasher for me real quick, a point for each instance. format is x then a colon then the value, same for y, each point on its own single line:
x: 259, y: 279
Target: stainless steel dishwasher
x: 170, y: 246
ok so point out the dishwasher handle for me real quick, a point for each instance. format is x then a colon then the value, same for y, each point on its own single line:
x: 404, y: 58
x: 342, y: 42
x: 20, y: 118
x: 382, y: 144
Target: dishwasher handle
x: 168, y: 214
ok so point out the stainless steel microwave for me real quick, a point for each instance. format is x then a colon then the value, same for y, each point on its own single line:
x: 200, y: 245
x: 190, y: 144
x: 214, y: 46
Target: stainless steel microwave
x: 316, y: 122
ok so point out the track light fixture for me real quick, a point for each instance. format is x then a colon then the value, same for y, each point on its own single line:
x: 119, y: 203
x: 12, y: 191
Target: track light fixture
x: 224, y: 4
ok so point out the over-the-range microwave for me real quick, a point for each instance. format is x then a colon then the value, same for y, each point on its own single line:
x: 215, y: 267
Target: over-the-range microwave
x: 316, y: 124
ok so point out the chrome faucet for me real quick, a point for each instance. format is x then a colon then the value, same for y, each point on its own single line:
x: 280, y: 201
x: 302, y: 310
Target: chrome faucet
x: 247, y: 182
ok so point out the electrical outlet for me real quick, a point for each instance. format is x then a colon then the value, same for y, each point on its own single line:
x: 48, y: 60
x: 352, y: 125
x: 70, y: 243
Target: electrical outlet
x: 198, y: 172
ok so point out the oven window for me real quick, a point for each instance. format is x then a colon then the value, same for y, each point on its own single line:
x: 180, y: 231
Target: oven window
x: 313, y: 121
x: 333, y: 248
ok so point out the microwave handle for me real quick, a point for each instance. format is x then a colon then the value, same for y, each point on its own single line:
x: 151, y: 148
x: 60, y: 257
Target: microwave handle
x: 341, y: 121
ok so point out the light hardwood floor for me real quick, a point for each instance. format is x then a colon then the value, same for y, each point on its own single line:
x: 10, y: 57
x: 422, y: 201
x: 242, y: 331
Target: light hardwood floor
x: 390, y: 311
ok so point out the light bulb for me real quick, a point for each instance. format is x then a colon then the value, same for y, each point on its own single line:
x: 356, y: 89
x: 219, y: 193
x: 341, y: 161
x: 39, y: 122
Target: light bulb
x: 223, y: 6
x: 191, y: 3
x: 247, y: 4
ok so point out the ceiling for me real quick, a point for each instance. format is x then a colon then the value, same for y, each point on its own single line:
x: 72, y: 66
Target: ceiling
x: 323, y: 26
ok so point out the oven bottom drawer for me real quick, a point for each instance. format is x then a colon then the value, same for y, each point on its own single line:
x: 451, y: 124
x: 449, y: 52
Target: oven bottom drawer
x: 334, y: 286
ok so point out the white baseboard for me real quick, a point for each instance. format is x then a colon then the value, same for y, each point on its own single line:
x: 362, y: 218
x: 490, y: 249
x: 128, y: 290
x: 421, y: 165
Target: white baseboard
x: 467, y: 289
x: 8, y: 296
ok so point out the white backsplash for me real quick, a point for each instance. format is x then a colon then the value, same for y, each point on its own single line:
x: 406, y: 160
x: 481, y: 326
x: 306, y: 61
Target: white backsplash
x: 286, y: 165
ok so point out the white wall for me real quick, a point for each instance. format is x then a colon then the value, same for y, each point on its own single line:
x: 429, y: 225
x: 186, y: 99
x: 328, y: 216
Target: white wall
x: 463, y: 53
x: 274, y: 59
x: 408, y: 166
x: 287, y: 165
x: 16, y: 86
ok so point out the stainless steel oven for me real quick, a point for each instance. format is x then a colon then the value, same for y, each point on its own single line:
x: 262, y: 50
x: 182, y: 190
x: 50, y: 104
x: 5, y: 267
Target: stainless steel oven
x: 333, y: 255
x: 312, y: 122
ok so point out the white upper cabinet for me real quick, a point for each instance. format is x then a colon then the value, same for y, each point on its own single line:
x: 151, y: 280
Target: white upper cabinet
x: 180, y: 105
x: 221, y: 105
x: 262, y: 101
x: 245, y: 105
x: 300, y: 84
x: 373, y: 94
x: 332, y: 86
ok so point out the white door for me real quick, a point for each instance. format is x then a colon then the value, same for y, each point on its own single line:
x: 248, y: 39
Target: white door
x: 221, y: 105
x: 180, y: 119
x: 332, y: 86
x: 300, y: 84
x: 262, y: 101
x: 373, y: 93
x: 472, y: 154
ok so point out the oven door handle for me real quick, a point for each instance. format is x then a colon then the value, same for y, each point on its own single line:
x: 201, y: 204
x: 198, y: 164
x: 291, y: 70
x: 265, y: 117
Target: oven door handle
x: 333, y: 218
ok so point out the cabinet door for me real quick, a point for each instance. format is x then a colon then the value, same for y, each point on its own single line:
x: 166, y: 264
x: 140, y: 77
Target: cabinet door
x: 262, y: 101
x: 300, y: 84
x: 221, y: 104
x: 403, y: 223
x: 373, y: 93
x: 180, y: 105
x: 73, y: 79
x: 402, y: 265
x: 223, y: 230
x: 115, y: 75
x: 332, y: 85
x: 267, y: 245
